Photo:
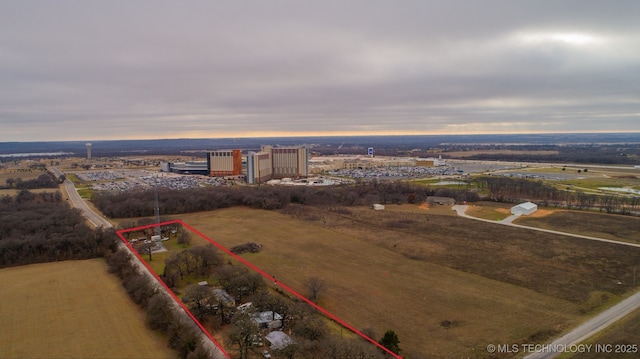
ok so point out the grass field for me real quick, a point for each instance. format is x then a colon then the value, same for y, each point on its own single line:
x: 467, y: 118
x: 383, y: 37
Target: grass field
x: 490, y: 210
x: 609, y: 226
x: 72, y: 309
x: 372, y: 286
x: 13, y: 192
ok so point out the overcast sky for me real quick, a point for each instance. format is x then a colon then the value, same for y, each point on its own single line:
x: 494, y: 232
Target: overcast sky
x: 91, y: 70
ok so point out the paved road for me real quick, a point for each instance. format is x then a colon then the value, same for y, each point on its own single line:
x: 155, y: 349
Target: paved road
x: 77, y: 202
x: 590, y: 327
x: 97, y: 220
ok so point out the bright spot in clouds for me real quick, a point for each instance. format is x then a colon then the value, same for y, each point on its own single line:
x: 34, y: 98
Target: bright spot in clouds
x: 569, y: 38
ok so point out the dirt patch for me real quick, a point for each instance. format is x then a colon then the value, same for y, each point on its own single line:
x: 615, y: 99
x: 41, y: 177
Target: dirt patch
x: 542, y: 213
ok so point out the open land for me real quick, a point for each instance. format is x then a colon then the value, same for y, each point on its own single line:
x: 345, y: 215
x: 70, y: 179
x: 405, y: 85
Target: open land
x: 609, y: 226
x: 490, y: 210
x: 476, y: 152
x: 73, y: 309
x: 447, y: 285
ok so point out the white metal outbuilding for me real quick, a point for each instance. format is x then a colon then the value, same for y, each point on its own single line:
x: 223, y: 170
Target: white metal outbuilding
x: 524, y: 208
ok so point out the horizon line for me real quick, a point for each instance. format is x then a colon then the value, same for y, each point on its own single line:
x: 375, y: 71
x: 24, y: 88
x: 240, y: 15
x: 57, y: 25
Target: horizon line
x: 332, y: 134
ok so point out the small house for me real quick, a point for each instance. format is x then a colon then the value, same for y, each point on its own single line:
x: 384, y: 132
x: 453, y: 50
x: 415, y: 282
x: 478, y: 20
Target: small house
x: 268, y: 319
x: 225, y: 298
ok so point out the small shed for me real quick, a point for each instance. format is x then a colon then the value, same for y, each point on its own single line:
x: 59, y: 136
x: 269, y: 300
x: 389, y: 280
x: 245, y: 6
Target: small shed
x: 524, y: 209
x: 378, y: 207
x: 441, y: 200
x: 278, y: 340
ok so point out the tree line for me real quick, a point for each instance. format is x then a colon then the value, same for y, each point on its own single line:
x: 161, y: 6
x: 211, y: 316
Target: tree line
x: 161, y: 312
x: 601, y: 154
x: 513, y: 190
x: 141, y: 203
x: 40, y: 227
x: 45, y: 180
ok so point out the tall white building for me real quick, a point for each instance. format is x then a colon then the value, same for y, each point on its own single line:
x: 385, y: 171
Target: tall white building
x: 277, y: 162
x: 259, y: 167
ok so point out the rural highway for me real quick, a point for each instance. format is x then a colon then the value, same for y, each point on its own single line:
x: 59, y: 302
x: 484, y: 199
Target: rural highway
x: 98, y: 221
x: 80, y: 204
x: 588, y: 328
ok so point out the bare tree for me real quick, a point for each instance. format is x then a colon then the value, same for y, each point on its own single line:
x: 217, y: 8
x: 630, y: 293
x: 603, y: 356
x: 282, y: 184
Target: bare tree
x: 147, y: 248
x: 315, y: 287
x: 184, y: 238
x: 200, y: 299
x: 243, y: 330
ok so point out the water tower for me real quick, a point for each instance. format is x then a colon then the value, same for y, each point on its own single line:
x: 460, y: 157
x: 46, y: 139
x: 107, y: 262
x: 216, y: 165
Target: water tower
x: 88, y: 151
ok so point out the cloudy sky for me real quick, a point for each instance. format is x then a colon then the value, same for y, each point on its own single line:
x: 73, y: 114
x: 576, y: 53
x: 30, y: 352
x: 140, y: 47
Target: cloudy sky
x: 91, y: 70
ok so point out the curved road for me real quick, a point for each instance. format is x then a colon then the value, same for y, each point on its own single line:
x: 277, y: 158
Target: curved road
x: 588, y: 328
x: 99, y: 221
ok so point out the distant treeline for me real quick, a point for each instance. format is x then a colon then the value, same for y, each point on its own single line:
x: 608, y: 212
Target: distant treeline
x: 600, y: 154
x: 40, y: 227
x: 139, y: 204
x: 512, y: 190
x: 571, y: 153
x: 45, y: 180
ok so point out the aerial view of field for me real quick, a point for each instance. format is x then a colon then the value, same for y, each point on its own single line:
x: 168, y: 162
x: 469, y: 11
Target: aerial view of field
x: 72, y: 309
x: 616, y: 227
x: 383, y: 274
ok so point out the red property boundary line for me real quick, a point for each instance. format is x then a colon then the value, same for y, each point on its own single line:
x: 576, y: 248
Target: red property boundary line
x: 248, y: 264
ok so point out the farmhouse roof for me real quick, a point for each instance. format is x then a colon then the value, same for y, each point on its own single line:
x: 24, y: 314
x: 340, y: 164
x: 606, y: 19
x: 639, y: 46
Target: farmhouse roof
x: 223, y: 296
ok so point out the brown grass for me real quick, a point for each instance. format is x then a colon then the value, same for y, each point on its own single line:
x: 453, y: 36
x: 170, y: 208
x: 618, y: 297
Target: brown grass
x: 72, y: 309
x: 489, y: 210
x: 13, y: 192
x: 608, y: 226
x: 370, y: 285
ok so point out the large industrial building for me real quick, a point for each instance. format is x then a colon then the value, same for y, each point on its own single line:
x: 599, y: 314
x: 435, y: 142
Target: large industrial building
x: 259, y: 168
x: 277, y: 162
x: 270, y: 163
x: 224, y: 163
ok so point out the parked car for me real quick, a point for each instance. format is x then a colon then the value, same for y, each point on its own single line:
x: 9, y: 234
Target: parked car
x: 266, y: 354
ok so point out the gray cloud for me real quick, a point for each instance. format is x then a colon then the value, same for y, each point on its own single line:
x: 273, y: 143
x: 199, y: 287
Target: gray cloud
x: 98, y: 70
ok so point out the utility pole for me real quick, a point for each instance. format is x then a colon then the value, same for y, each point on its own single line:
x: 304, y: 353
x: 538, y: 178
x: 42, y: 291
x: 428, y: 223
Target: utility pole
x: 157, y: 208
